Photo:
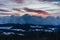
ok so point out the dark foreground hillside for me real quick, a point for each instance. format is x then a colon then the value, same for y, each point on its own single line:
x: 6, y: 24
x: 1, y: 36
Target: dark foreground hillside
x: 29, y: 32
x: 32, y: 36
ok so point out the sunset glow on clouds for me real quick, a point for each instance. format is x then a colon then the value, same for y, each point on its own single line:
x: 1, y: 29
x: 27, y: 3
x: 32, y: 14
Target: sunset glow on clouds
x: 16, y: 7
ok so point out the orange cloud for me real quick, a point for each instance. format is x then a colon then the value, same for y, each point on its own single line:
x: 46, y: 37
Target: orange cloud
x: 37, y: 12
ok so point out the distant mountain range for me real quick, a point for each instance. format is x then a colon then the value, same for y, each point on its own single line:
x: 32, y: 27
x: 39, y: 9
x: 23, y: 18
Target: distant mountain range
x: 27, y: 19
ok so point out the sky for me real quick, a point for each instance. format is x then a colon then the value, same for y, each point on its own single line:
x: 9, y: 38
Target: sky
x: 16, y: 7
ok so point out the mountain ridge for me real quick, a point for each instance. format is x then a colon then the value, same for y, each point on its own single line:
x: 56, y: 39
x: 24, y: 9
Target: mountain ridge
x: 27, y: 19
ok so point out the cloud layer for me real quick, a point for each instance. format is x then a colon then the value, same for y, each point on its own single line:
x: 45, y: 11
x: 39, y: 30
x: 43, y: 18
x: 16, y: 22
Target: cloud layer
x: 16, y: 7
